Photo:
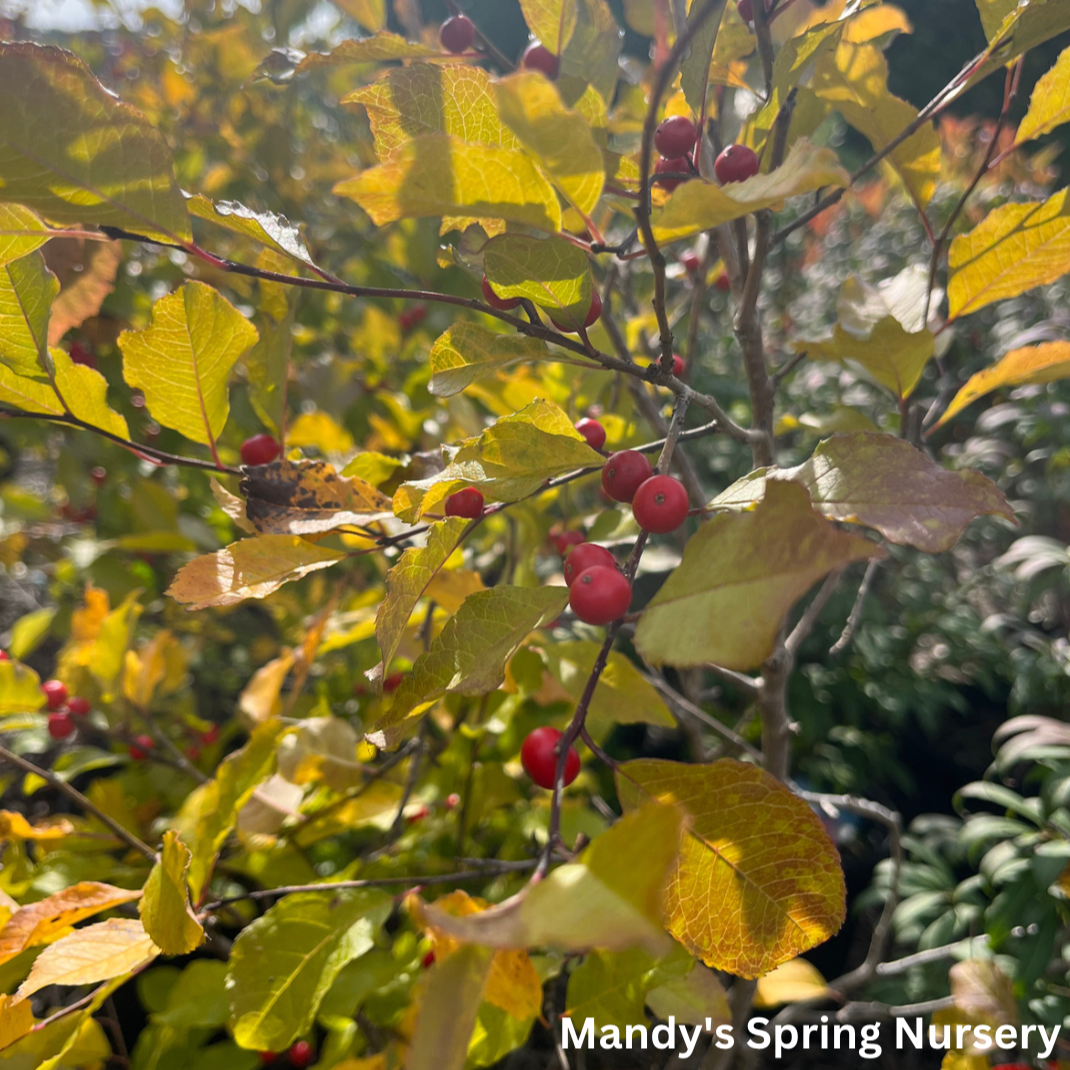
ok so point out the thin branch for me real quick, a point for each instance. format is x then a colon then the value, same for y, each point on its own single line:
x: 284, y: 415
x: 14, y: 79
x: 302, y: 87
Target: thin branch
x: 687, y: 706
x: 801, y: 632
x: 969, y: 947
x: 848, y: 633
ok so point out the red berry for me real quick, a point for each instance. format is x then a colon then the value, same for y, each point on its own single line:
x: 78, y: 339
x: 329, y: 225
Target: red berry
x: 418, y: 815
x: 502, y: 304
x: 79, y: 706
x: 4, y: 655
x: 677, y: 365
x: 562, y: 541
x: 141, y: 746
x: 210, y: 736
x: 55, y: 693
x: 586, y: 556
x: 600, y: 595
x: 660, y: 505
x: 60, y: 725
x: 593, y: 431
x: 679, y: 165
x: 467, y: 503
x: 266, y: 1057
x: 723, y: 283
x: 99, y: 475
x: 393, y: 681
x: 592, y: 315
x: 539, y: 758
x: 453, y: 800
x: 624, y: 473
x: 428, y: 960
x: 193, y: 752
x: 537, y: 57
x: 691, y: 263
x: 457, y: 34
x: 411, y: 317
x: 675, y: 136
x: 746, y: 9
x: 736, y: 164
x: 79, y: 354
x: 260, y: 449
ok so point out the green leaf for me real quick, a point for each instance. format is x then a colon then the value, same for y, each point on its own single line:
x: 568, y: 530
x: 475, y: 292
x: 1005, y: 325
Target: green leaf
x: 249, y: 568
x: 21, y: 232
x: 740, y: 575
x: 560, y: 140
x: 28, y: 632
x: 275, y: 232
x: 884, y: 483
x: 507, y: 462
x: 1025, y: 27
x: 1015, y: 248
x: 182, y: 362
x: 694, y: 998
x: 552, y: 22
x: 101, y: 163
x: 1045, y: 363
x: 469, y: 656
x: 552, y: 272
x: 27, y: 290
x: 20, y: 689
x: 751, y: 847
x: 381, y: 47
x: 591, y: 58
x: 164, y: 907
x: 282, y: 964
x: 198, y: 998
x: 371, y: 14
x: 439, y: 175
x: 993, y: 14
x: 467, y: 352
x: 698, y: 205
x: 695, y: 69
x: 267, y: 363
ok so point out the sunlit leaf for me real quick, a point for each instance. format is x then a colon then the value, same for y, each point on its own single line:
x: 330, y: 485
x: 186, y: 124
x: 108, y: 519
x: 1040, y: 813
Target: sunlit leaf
x: 21, y: 232
x: 88, y: 280
x: 381, y: 47
x: 85, y: 394
x: 552, y: 272
x: 591, y: 58
x: 696, y: 998
x: 16, y: 1020
x: 758, y: 880
x: 371, y: 14
x: 1024, y: 27
x: 319, y: 430
x: 793, y: 981
x: 322, y: 750
x: 266, y: 228
x: 695, y: 69
x: 27, y: 289
x: 20, y: 691
x: 993, y: 14
x: 14, y: 827
x: 552, y: 22
x: 467, y: 352
x: 164, y: 908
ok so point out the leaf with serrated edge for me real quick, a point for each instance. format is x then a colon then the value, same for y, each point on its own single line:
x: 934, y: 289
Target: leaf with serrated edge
x: 282, y: 965
x: 27, y: 290
x: 553, y: 22
x: 758, y: 880
x: 469, y: 656
x: 1049, y: 105
x: 697, y: 205
x: 85, y: 286
x: 1014, y: 249
x: 274, y: 231
x: 21, y: 232
x: 251, y: 568
x: 165, y: 908
x: 85, y: 391
x: 102, y: 163
x: 552, y: 272
x: 467, y: 352
x: 99, y: 952
x: 381, y: 47
x: 740, y: 575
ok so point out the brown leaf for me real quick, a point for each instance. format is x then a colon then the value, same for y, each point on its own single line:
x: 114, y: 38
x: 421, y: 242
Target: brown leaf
x: 86, y: 272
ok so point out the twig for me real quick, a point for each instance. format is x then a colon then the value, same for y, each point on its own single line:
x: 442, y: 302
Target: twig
x: 801, y: 632
x: 932, y: 954
x: 848, y: 633
x: 688, y: 707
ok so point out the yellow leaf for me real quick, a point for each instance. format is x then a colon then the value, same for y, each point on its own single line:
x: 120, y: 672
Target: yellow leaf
x: 29, y: 630
x: 20, y: 688
x: 381, y: 47
x: 553, y: 22
x: 467, y: 352
x: 260, y: 701
x: 319, y: 430
x: 1015, y: 248
x: 695, y: 998
x: 793, y: 981
x: 27, y: 290
x: 371, y: 14
x: 322, y: 750
x: 591, y: 58
x: 21, y: 232
x: 16, y: 1019
x: 993, y: 14
x: 1049, y: 105
x: 15, y: 827
x: 758, y: 880
x: 99, y: 952
x: 161, y: 661
x: 450, y: 587
x: 85, y: 392
x: 182, y: 362
x: 552, y: 272
x: 87, y: 280
x: 108, y: 653
x: 164, y: 908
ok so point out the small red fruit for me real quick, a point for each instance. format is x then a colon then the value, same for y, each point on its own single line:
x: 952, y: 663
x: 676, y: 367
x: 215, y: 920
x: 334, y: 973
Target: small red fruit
x: 539, y: 758
x: 593, y: 432
x: 393, y: 681
x: 79, y: 706
x: 678, y: 365
x: 4, y: 655
x: 210, y: 736
x: 260, y: 449
x: 723, y: 282
x: 411, y: 317
x: 679, y: 165
x: 418, y: 815
x: 467, y: 503
x: 55, y: 693
x: 675, y: 136
x: 453, y: 800
x: 266, y: 1057
x: 141, y: 746
x: 563, y: 541
x: 592, y: 316
x: 537, y: 57
x: 736, y: 164
x: 600, y: 595
x: 80, y: 354
x: 60, y: 725
x: 428, y: 960
x: 624, y: 473
x: 580, y: 559
x: 746, y: 10
x: 502, y: 304
x: 99, y: 475
x: 691, y: 263
x: 457, y: 34
x: 660, y: 505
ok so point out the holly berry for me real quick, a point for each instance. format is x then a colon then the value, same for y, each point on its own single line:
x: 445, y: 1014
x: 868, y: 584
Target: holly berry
x: 593, y: 432
x: 99, y: 475
x: 539, y: 758
x: 453, y: 800
x: 691, y: 263
x: 411, y: 317
x: 60, y: 724
x: 678, y: 365
x: 563, y: 541
x: 210, y: 736
x: 79, y: 354
x: 675, y: 136
x: 746, y: 9
x: 660, y: 505
x: 592, y: 315
x: 502, y: 304
x: 260, y: 449
x: 393, y: 681
x: 457, y: 34
x: 467, y: 503
x: 79, y: 706
x: 679, y: 165
x: 4, y: 655
x: 624, y: 473
x: 139, y: 749
x: 55, y: 693
x: 723, y: 282
x: 736, y: 164
x: 428, y: 960
x: 586, y: 556
x: 600, y: 595
x: 537, y: 57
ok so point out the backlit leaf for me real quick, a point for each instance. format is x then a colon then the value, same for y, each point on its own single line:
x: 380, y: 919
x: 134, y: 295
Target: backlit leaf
x: 27, y: 289
x: 791, y: 982
x: 1015, y: 248
x: 322, y: 750
x: 371, y: 14
x: 102, y: 163
x: 20, y: 691
x: 469, y: 656
x: 1032, y: 364
x: 16, y: 1020
x: 591, y: 58
x: 758, y: 880
x: 282, y: 964
x: 164, y: 908
x: 85, y: 392
x: 182, y: 362
x: 21, y: 232
x: 993, y: 14
x: 552, y: 272
x: 1049, y: 105
x: 381, y: 47
x: 740, y: 575
x: 1025, y: 26
x: 695, y: 998
x: 96, y: 953
x: 268, y: 229
x: 553, y: 22
x: 88, y: 280
x: 695, y: 69
x: 467, y: 352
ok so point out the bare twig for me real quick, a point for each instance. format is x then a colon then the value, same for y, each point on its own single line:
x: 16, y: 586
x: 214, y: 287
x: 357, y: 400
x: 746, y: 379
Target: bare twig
x: 848, y: 633
x: 685, y: 705
x: 801, y: 632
